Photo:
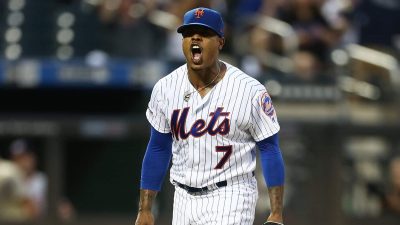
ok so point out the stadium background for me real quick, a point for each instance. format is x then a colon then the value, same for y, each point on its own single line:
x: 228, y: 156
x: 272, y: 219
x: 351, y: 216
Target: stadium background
x: 76, y: 75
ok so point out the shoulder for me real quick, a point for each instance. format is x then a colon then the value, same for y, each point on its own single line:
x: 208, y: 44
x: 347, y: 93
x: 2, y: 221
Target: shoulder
x: 251, y: 84
x: 170, y: 80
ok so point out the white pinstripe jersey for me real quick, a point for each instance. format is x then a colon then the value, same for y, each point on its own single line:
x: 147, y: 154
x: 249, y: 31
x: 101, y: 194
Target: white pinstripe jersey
x: 215, y: 135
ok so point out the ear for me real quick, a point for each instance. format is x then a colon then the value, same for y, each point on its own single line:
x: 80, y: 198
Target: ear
x: 221, y: 43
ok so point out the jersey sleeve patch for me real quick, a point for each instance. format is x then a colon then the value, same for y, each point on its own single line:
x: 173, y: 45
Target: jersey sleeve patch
x: 267, y: 106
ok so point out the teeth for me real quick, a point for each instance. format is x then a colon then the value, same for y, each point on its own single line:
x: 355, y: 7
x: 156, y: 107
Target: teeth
x: 196, y: 47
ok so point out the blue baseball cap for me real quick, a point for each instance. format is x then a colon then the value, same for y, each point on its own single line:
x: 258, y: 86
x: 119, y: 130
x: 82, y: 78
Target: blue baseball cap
x: 203, y: 17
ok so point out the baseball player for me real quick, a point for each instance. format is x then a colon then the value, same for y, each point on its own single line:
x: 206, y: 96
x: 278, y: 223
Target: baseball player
x: 209, y: 117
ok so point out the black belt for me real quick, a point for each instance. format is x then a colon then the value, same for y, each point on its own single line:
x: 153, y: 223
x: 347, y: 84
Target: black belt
x: 203, y: 189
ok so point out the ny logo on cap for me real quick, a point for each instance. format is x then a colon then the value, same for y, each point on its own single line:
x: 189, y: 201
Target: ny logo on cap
x: 199, y: 13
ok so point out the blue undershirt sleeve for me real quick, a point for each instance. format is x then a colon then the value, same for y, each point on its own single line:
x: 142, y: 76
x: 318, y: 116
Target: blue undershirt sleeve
x: 156, y: 160
x: 271, y: 161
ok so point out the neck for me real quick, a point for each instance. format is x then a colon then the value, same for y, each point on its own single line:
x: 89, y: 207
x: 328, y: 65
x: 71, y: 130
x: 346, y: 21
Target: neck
x: 206, y: 76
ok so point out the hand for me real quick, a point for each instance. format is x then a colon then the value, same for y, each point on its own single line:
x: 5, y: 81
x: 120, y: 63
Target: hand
x: 144, y: 218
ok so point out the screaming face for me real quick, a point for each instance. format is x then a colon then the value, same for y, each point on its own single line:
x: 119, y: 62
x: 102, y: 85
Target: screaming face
x: 201, y: 46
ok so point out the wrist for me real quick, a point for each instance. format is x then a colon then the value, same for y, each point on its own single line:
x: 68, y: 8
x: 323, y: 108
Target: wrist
x: 144, y: 210
x: 146, y: 200
x: 275, y: 217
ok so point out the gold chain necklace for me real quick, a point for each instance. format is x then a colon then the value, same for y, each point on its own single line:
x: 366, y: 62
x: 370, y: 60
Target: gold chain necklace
x: 187, y: 94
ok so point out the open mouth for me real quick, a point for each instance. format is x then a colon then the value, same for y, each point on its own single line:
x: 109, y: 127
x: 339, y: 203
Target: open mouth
x: 196, y: 52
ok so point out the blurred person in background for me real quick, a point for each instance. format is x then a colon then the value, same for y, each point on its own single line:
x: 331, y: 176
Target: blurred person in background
x: 34, y: 181
x: 315, y: 35
x: 392, y: 198
x: 14, y: 206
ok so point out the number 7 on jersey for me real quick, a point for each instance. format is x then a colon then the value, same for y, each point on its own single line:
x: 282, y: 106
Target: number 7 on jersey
x: 225, y: 157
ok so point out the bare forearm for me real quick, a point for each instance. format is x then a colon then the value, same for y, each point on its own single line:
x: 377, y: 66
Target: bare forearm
x: 146, y: 199
x: 276, y: 201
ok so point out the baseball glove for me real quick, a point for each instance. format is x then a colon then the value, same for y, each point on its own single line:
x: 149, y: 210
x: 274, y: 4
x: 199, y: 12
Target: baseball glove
x: 272, y: 223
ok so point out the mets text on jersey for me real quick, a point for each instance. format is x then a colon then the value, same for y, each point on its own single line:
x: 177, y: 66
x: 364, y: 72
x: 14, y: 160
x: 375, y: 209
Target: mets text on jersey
x: 200, y: 127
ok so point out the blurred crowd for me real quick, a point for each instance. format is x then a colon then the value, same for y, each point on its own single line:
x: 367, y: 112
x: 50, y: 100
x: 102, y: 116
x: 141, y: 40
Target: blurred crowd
x: 295, y: 37
x: 298, y: 39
